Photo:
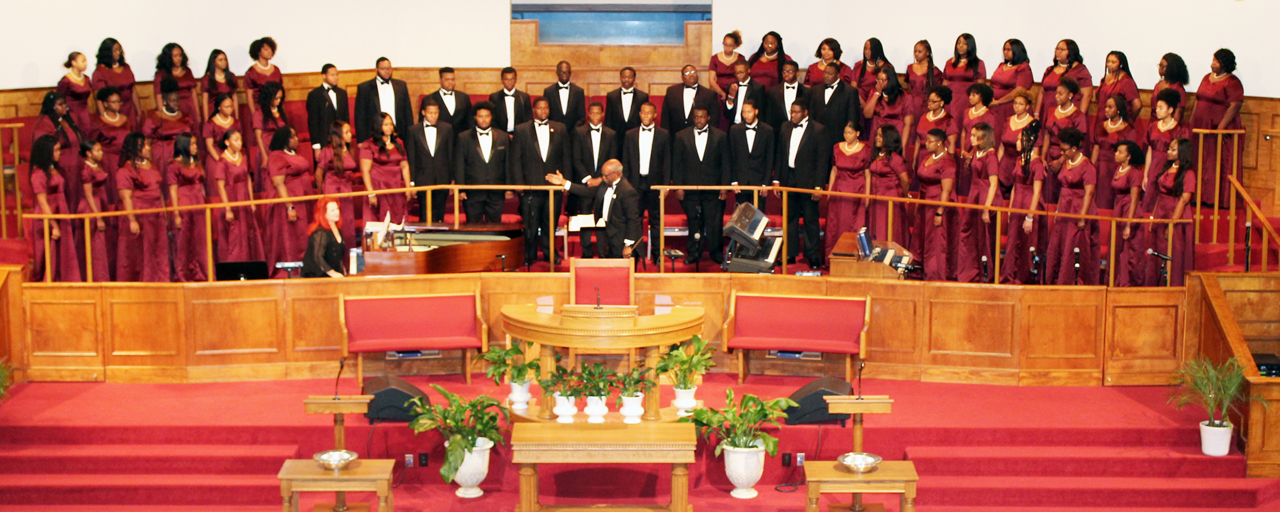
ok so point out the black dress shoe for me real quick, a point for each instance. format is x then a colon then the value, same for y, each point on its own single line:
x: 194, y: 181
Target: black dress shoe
x: 690, y: 260
x: 791, y: 261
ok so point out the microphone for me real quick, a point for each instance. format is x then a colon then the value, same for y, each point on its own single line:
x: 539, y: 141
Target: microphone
x: 1035, y: 265
x: 984, y: 269
x: 342, y: 363
x: 598, y: 298
x: 861, y: 365
x: 1153, y: 252
x: 1248, y: 251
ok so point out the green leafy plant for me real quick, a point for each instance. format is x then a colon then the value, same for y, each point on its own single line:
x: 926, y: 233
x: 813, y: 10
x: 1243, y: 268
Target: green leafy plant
x: 686, y: 362
x: 461, y: 423
x: 632, y: 383
x: 562, y: 382
x: 1218, y: 389
x: 739, y: 424
x: 596, y: 380
x: 6, y: 377
x: 511, y: 362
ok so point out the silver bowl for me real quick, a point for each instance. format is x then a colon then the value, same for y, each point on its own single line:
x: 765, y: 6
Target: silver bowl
x: 859, y: 462
x: 335, y: 459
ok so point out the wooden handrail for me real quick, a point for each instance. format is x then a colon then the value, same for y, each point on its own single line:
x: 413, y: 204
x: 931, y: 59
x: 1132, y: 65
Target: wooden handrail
x: 17, y: 187
x: 1268, y: 231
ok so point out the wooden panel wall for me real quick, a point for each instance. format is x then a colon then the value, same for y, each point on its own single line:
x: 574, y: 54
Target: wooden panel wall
x: 12, y: 323
x: 1136, y: 354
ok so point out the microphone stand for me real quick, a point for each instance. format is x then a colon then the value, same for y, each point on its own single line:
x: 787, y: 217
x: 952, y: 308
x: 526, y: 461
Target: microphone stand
x: 861, y: 365
x: 1035, y: 266
x: 1078, y: 279
x: 342, y: 363
x: 1248, y: 250
x: 598, y: 298
x: 985, y: 270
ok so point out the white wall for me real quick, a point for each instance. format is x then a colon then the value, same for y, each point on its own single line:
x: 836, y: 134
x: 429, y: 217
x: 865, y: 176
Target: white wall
x: 38, y: 34
x: 1143, y: 29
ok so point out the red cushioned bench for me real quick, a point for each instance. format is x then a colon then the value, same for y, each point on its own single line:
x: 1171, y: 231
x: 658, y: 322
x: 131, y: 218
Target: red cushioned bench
x: 797, y: 323
x: 413, y: 322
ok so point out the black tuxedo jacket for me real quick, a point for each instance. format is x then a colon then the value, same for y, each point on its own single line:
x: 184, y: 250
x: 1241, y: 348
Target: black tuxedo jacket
x: 523, y: 111
x: 532, y: 170
x: 836, y: 113
x: 777, y: 110
x: 461, y: 118
x: 321, y: 113
x: 711, y: 169
x: 424, y: 167
x: 659, y: 158
x: 368, y: 106
x: 583, y: 167
x: 755, y: 91
x: 613, y: 111
x: 624, y: 212
x: 469, y: 166
x: 754, y: 167
x: 673, y: 114
x: 571, y: 115
x: 813, y: 157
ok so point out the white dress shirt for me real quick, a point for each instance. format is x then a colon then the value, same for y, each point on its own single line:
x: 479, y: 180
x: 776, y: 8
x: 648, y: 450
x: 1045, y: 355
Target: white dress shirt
x: 751, y: 135
x: 333, y: 100
x: 737, y: 103
x: 789, y: 92
x: 646, y: 148
x: 564, y: 98
x: 387, y: 99
x: 829, y: 89
x: 450, y: 101
x: 509, y: 97
x: 689, y: 93
x: 595, y: 131
x: 430, y: 131
x: 796, y: 135
x: 627, y: 95
x: 700, y: 140
x: 486, y: 142
x: 544, y: 137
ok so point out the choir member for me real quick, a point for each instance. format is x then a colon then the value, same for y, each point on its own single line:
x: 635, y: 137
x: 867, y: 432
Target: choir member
x: 239, y: 236
x: 186, y: 179
x: 979, y: 96
x: 172, y: 64
x: 766, y: 63
x: 110, y: 127
x: 1024, y: 170
x: 47, y: 183
x: 1130, y: 243
x: 1118, y: 80
x: 382, y: 95
x: 646, y: 160
x: 430, y: 153
x: 1218, y: 101
x: 163, y: 125
x: 777, y: 107
x: 1160, y: 135
x: 975, y: 243
x: 1176, y: 185
x: 866, y: 71
x: 936, y: 173
x: 1010, y: 79
x: 1073, y: 249
x: 593, y: 145
x: 828, y: 54
x: 922, y: 77
x: 269, y: 119
x: 1067, y: 63
x: 1066, y: 114
x: 112, y: 71
x: 682, y: 98
x: 334, y: 170
x: 888, y: 176
x: 511, y: 106
x: 455, y: 105
x: 541, y: 149
x: 325, y: 250
x: 96, y: 181
x: 744, y: 89
x: 55, y: 119
x: 218, y: 80
x: 1106, y: 136
x: 221, y: 120
x: 622, y: 105
x: 1173, y: 75
x: 143, y: 247
x: 752, y: 157
x: 962, y: 70
x: 286, y: 223
x: 804, y: 159
x: 889, y: 103
x: 721, y: 67
x: 568, y: 101
x: 834, y: 104
x: 326, y: 105
x: 77, y: 88
x: 1011, y: 136
x: 700, y: 156
x: 850, y: 160
x: 483, y: 157
x: 384, y: 164
x: 936, y: 116
x: 262, y: 71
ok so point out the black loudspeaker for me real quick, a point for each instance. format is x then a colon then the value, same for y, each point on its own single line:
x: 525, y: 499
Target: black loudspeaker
x: 813, y: 408
x: 389, y: 397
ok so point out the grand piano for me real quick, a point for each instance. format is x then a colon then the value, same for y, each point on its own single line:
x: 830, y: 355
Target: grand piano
x: 418, y: 248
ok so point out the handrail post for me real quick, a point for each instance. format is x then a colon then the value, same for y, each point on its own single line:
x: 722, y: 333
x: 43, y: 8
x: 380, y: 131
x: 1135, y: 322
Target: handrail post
x: 456, y: 192
x: 88, y: 250
x: 785, y: 221
x: 995, y: 274
x: 427, y: 208
x: 662, y: 229
x: 1168, y: 244
x: 1111, y: 266
x: 208, y: 244
x: 4, y: 206
x: 893, y: 205
x: 1231, y: 230
x: 1265, y: 249
x: 48, y: 253
x: 755, y: 198
x: 1217, y: 188
x: 551, y: 233
x: 1199, y: 195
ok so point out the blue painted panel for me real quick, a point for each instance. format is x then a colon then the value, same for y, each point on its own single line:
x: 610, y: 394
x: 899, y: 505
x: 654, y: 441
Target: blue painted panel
x: 611, y: 27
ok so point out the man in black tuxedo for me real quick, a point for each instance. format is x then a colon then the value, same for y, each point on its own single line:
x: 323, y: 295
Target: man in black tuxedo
x: 834, y: 105
x: 455, y: 106
x: 700, y: 156
x: 568, y: 101
x: 325, y: 104
x: 681, y: 99
x: 622, y: 105
x: 511, y: 106
x: 804, y: 161
x: 617, y: 202
x: 430, y: 153
x: 593, y: 145
x: 382, y: 94
x: 777, y: 109
x: 646, y: 161
x: 483, y: 156
x: 744, y: 89
x: 541, y: 149
x: 751, y: 146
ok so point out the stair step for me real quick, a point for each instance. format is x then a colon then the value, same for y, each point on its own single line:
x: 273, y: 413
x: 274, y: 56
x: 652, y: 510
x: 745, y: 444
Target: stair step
x: 140, y: 508
x: 144, y: 459
x: 944, y: 508
x: 1008, y: 491
x: 1065, y: 461
x: 155, y: 489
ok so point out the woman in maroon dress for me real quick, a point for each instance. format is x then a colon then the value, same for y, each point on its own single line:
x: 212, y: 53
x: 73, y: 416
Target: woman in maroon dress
x: 239, y: 237
x: 110, y: 127
x: 47, y: 184
x: 721, y: 69
x: 95, y: 181
x: 979, y: 97
x: 262, y: 71
x: 888, y: 178
x: 935, y: 116
x: 77, y: 88
x: 1176, y: 185
x: 112, y: 71
x: 1127, y: 182
x: 143, y: 247
x: 1011, y: 78
x: 218, y: 80
x: 334, y: 169
x: 1067, y: 63
x: 221, y: 120
x: 864, y: 72
x: 766, y: 63
x: 56, y: 120
x: 828, y: 54
x: 976, y: 237
x: 165, y: 124
x: 1173, y: 75
x: 937, y: 174
x: 1160, y: 135
x: 1106, y: 136
x: 286, y: 223
x: 962, y: 70
x: 922, y: 77
x: 383, y: 165
x: 269, y: 118
x: 186, y: 178
x: 849, y: 162
x: 172, y: 64
x: 1025, y: 172
x: 1117, y: 81
x: 1065, y: 115
x: 1218, y: 102
x: 888, y: 104
x: 1073, y: 247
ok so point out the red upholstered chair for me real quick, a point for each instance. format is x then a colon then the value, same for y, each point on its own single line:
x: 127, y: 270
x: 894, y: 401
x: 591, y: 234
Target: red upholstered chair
x: 616, y: 278
x: 414, y: 322
x: 797, y: 323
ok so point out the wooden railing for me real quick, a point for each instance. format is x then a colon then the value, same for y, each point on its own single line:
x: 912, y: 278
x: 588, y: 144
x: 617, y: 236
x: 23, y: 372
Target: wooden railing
x: 1219, y: 180
x: 1251, y: 211
x: 12, y: 160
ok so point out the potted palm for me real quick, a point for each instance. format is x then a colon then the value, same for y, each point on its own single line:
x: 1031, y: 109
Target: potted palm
x: 685, y: 363
x: 738, y: 428
x: 597, y: 383
x: 566, y: 388
x: 470, y: 429
x: 512, y: 363
x: 1219, y: 390
x: 632, y: 386
x: 6, y: 378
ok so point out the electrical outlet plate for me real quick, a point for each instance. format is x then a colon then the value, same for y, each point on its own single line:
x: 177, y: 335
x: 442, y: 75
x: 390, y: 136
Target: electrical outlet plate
x: 800, y: 459
x: 408, y: 460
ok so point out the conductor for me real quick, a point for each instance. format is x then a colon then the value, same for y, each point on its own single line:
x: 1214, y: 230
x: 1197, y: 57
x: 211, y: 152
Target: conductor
x: 617, y: 202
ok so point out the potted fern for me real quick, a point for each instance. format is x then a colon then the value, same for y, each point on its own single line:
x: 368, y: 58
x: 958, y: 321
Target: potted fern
x: 470, y: 429
x: 597, y: 383
x: 1219, y: 390
x: 512, y: 363
x: 6, y: 378
x: 685, y: 363
x: 738, y: 428
x: 632, y: 386
x: 565, y: 386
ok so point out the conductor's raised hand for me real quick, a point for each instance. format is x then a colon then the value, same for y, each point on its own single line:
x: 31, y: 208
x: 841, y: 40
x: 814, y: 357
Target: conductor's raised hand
x: 555, y: 179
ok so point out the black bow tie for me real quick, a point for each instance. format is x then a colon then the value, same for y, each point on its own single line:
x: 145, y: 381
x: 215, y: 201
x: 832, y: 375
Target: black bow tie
x: 595, y: 129
x: 700, y: 131
x: 564, y: 87
x: 446, y: 93
x: 744, y: 84
x: 800, y: 126
x: 627, y: 92
x: 383, y: 82
x: 428, y: 125
x: 752, y: 128
x: 509, y: 94
x: 540, y: 123
x: 644, y: 129
x: 483, y: 133
x: 328, y: 89
x: 791, y: 87
x: 832, y: 86
x: 694, y: 87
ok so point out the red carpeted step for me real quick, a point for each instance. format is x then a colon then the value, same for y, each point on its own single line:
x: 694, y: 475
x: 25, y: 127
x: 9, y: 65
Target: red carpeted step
x: 139, y: 508
x: 152, y: 489
x: 1265, y: 508
x: 1007, y: 491
x: 1063, y: 461
x: 143, y: 459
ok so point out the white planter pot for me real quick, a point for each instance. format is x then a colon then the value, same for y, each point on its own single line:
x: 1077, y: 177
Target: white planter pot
x: 1215, y: 441
x: 685, y: 401
x: 520, y: 396
x: 596, y: 409
x: 744, y: 466
x: 632, y: 408
x: 475, y: 466
x: 565, y: 408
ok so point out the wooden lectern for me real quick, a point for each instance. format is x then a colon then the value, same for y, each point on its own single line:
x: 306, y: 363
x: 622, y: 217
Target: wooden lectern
x: 857, y: 406
x: 846, y: 263
x: 339, y: 405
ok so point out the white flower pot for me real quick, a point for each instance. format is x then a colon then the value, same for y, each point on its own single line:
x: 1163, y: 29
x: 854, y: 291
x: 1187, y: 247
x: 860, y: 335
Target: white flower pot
x: 475, y: 466
x: 596, y: 409
x: 1215, y: 441
x: 744, y: 466
x: 520, y: 396
x: 632, y: 408
x: 565, y: 408
x: 685, y: 401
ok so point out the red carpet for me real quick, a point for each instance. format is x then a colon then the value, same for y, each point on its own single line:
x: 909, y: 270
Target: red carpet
x: 217, y: 447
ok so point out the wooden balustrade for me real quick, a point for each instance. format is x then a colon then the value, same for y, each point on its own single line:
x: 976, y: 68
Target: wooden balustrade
x: 1251, y: 210
x: 12, y: 159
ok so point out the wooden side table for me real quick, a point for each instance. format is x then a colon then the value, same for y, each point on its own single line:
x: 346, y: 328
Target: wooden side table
x: 306, y: 475
x: 892, y: 477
